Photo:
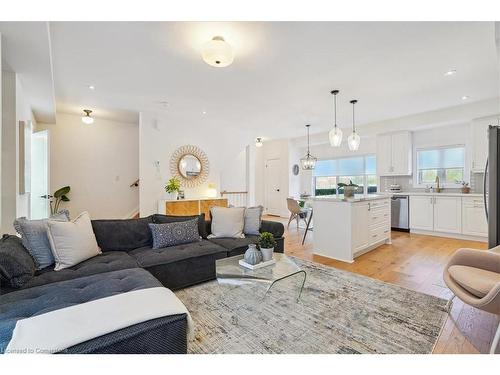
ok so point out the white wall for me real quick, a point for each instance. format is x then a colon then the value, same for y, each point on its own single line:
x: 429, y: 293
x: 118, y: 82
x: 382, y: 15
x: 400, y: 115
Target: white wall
x: 99, y: 162
x: 15, y: 108
x: 161, y: 134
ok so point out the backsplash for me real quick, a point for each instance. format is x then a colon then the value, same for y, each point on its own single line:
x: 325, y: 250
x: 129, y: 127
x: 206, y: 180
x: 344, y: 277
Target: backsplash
x: 406, y: 182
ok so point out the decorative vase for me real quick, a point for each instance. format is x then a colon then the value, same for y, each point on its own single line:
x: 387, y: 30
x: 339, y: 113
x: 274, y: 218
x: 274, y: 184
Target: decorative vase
x: 253, y: 256
x: 173, y: 196
x: 349, y: 191
x: 267, y: 253
x: 465, y: 189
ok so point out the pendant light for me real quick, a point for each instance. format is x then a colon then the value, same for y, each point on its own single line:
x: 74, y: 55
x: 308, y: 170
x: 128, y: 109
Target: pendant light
x: 353, y: 140
x: 87, y: 118
x: 308, y: 161
x: 335, y: 134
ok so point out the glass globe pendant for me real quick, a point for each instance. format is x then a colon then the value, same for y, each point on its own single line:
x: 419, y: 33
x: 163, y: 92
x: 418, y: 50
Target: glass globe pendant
x: 335, y: 135
x: 308, y: 162
x: 353, y: 140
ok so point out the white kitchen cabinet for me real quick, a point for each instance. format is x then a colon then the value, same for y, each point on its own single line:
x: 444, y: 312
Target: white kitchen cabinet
x: 474, y: 221
x: 345, y: 229
x: 394, y: 154
x: 480, y: 143
x: 360, y: 220
x: 448, y: 214
x: 422, y: 212
x: 384, y: 155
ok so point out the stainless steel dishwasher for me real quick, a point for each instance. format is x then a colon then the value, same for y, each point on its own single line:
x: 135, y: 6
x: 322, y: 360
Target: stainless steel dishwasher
x: 400, y: 209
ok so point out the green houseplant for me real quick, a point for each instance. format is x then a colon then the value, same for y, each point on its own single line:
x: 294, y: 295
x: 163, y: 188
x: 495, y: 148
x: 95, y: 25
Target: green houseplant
x: 59, y: 196
x: 266, y: 245
x: 349, y: 189
x: 172, y: 187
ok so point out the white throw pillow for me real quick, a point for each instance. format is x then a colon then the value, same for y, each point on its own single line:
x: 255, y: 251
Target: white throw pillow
x: 227, y: 222
x: 72, y: 242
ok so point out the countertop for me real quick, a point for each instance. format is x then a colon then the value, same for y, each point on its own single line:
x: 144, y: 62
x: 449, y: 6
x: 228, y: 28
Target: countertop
x: 444, y: 194
x: 340, y: 198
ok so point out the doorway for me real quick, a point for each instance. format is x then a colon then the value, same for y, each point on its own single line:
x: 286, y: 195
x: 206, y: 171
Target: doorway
x: 40, y: 160
x: 274, y: 195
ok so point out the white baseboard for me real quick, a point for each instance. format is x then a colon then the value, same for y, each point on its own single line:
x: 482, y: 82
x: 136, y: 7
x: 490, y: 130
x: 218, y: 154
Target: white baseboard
x: 449, y: 235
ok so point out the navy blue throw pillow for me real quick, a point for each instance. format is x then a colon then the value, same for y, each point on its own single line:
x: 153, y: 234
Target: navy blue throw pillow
x: 177, y: 233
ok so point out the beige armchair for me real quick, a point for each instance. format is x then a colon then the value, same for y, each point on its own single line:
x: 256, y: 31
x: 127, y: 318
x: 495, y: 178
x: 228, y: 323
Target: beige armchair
x: 474, y: 277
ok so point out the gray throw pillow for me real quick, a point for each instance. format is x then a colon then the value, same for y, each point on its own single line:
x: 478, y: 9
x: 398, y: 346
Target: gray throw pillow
x: 34, y: 238
x: 171, y: 234
x: 16, y: 265
x: 253, y: 220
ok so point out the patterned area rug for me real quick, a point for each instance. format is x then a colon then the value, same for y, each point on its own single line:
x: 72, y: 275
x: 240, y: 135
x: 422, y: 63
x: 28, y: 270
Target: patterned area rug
x: 339, y: 312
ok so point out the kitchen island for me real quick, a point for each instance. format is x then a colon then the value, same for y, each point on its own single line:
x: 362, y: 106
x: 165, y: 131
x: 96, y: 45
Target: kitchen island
x: 347, y: 228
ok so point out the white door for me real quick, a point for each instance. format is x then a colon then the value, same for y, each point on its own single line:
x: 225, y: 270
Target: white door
x: 474, y: 221
x: 39, y: 175
x: 448, y: 214
x: 384, y: 163
x: 401, y: 150
x: 360, y: 235
x: 274, y: 195
x: 421, y: 213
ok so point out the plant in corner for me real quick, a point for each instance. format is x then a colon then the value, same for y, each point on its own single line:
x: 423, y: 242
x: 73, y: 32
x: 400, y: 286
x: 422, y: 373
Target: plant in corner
x: 172, y: 187
x: 349, y: 189
x: 266, y: 245
x: 60, y: 195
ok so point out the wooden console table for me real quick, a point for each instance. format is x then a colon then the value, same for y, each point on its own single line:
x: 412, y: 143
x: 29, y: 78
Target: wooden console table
x: 185, y: 207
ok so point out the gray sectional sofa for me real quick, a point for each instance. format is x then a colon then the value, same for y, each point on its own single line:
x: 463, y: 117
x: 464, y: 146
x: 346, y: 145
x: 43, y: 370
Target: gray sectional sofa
x: 127, y: 262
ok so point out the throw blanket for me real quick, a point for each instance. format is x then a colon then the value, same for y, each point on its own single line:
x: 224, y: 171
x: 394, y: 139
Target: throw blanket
x: 60, y: 329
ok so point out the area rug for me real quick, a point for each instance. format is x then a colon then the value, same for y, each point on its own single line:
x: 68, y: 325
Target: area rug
x: 338, y: 312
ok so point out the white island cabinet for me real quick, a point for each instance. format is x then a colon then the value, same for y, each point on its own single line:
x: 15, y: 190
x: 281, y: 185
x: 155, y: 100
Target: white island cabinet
x: 345, y: 229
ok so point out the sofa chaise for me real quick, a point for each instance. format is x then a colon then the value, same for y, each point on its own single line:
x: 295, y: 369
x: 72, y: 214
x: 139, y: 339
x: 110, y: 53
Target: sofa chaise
x: 128, y: 262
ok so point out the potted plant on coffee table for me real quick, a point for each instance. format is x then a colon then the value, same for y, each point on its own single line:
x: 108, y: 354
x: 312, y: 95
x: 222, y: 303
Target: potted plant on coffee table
x: 266, y: 245
x: 349, y: 189
x: 172, y: 188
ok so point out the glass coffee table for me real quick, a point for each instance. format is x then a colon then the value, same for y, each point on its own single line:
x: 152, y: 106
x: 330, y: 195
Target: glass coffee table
x: 229, y: 270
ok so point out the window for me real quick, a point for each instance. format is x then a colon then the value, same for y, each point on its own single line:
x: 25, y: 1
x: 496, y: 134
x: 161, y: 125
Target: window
x: 447, y: 163
x: 361, y: 170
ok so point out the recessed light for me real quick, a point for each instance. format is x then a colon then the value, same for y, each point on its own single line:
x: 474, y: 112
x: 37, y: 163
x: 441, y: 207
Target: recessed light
x: 204, y: 112
x: 91, y: 87
x: 465, y: 97
x: 450, y: 72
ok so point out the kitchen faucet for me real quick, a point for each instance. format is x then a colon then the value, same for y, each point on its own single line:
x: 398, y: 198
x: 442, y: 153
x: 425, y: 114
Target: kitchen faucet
x: 438, y: 189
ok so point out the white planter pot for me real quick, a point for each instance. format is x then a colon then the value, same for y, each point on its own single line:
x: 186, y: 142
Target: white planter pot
x: 171, y: 196
x: 267, y: 254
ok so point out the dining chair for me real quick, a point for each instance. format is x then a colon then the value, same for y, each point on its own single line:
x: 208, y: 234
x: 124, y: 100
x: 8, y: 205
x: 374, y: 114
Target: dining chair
x: 296, y: 212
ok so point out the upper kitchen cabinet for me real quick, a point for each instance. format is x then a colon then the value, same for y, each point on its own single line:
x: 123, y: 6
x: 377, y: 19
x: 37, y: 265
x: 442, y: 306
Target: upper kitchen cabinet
x: 480, y: 142
x: 394, y: 154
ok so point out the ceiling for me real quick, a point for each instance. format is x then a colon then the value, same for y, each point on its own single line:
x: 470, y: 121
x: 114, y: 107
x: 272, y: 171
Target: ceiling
x: 26, y: 50
x: 282, y: 74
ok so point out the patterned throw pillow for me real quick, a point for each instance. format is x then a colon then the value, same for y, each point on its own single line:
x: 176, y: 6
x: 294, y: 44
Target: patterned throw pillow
x: 171, y: 234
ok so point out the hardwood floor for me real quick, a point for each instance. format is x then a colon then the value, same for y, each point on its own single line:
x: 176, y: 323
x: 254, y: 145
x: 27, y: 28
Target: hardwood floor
x: 415, y: 262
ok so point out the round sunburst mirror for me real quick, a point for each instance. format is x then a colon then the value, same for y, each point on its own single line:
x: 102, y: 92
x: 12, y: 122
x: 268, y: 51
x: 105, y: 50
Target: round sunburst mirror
x: 190, y: 165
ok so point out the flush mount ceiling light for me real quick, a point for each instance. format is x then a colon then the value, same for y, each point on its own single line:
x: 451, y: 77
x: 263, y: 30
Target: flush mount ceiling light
x: 335, y: 134
x: 87, y: 119
x: 465, y: 97
x: 353, y: 140
x: 450, y: 72
x: 91, y: 87
x: 258, y: 142
x: 308, y: 161
x: 218, y: 52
